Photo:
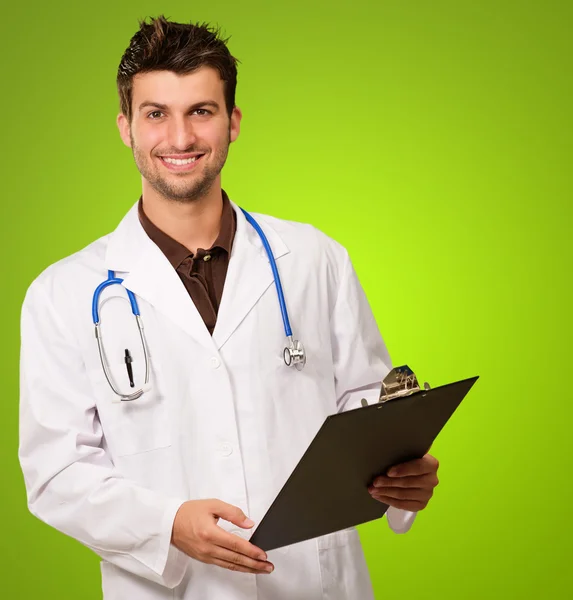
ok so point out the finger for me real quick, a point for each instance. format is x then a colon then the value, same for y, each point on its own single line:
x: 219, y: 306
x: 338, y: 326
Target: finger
x: 415, y: 481
x: 227, y: 540
x: 416, y: 494
x: 419, y: 466
x: 411, y: 505
x: 242, y: 560
x: 236, y: 567
x: 231, y: 513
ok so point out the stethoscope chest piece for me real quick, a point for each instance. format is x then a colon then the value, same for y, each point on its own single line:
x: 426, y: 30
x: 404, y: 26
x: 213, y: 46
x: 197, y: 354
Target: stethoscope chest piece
x: 294, y: 354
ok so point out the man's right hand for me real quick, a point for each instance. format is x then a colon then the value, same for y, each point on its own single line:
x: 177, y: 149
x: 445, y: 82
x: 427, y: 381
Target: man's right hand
x: 195, y: 532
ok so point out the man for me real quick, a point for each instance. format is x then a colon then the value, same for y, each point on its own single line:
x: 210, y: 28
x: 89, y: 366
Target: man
x: 165, y: 487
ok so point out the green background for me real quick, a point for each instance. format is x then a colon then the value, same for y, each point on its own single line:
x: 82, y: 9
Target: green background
x: 433, y: 139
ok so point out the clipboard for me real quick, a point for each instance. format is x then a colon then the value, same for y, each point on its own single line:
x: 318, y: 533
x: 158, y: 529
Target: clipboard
x: 327, y: 490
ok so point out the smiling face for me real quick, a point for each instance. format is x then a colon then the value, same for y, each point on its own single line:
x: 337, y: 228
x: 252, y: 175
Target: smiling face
x: 180, y: 132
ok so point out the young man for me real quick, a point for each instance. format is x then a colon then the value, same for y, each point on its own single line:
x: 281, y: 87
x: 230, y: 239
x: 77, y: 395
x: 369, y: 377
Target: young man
x: 163, y: 484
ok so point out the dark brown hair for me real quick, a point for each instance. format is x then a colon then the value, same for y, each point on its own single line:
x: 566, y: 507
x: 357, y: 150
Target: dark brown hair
x: 163, y: 45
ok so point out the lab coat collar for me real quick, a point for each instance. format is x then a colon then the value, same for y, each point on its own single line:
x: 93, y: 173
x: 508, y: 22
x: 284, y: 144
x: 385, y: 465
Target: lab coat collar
x: 149, y: 275
x: 249, y: 274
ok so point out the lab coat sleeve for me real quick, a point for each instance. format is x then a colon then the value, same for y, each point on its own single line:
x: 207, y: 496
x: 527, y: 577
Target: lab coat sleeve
x: 70, y: 480
x: 361, y: 360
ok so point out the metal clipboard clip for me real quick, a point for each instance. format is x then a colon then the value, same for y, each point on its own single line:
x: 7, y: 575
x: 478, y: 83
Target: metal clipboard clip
x: 401, y: 381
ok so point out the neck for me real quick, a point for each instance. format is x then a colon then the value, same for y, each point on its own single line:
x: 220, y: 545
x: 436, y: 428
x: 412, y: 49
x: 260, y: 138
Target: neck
x: 193, y: 224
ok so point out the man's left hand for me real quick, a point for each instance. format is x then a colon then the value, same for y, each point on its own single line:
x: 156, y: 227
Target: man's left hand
x: 409, y: 485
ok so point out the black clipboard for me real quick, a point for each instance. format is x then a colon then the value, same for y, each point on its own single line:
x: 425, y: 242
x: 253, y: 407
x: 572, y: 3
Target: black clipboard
x: 327, y: 491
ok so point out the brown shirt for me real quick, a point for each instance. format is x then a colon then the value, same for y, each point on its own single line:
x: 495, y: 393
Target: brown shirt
x: 202, y: 274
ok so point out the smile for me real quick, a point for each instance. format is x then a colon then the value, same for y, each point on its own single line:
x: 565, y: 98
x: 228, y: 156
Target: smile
x: 181, y: 164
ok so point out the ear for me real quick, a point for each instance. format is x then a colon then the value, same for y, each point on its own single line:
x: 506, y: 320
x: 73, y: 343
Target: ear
x: 235, y: 127
x: 123, y: 126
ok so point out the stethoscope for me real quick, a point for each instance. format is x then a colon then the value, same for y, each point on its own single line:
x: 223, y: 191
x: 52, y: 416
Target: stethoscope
x: 293, y: 354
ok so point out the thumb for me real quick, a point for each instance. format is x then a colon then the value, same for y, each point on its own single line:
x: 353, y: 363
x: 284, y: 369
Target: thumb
x: 233, y: 514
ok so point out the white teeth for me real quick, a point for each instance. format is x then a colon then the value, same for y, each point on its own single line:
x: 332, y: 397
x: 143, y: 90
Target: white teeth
x: 178, y: 161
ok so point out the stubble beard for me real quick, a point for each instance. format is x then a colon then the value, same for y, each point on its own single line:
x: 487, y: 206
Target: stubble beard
x: 183, y: 191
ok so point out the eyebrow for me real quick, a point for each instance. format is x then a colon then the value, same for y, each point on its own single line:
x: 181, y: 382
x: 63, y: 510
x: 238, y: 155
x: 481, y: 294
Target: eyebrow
x: 149, y: 103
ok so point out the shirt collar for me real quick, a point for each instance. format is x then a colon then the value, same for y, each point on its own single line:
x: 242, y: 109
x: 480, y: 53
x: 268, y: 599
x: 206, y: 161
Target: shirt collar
x: 175, y: 252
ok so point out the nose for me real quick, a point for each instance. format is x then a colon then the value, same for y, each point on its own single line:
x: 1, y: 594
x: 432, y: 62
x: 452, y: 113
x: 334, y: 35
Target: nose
x: 181, y: 134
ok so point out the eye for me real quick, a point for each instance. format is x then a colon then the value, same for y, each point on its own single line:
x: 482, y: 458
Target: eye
x: 202, y: 112
x: 154, y: 112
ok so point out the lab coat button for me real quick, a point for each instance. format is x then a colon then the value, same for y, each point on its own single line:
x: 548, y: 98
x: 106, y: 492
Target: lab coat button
x: 215, y: 362
x: 226, y: 449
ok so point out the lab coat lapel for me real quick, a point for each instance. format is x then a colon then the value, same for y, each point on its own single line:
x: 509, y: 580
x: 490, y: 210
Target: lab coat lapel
x: 249, y: 275
x: 150, y: 276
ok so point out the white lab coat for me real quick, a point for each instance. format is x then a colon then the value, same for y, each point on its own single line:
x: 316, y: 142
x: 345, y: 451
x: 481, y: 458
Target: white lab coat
x: 225, y: 418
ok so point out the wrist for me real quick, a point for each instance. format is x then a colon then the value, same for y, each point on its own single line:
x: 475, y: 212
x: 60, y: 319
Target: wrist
x: 176, y: 526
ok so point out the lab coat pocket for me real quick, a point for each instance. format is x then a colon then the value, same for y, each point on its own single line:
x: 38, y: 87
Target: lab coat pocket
x: 343, y: 570
x: 135, y: 426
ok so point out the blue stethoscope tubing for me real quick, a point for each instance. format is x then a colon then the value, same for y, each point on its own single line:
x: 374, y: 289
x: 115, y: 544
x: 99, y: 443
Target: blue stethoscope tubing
x: 273, y: 263
x: 293, y: 354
